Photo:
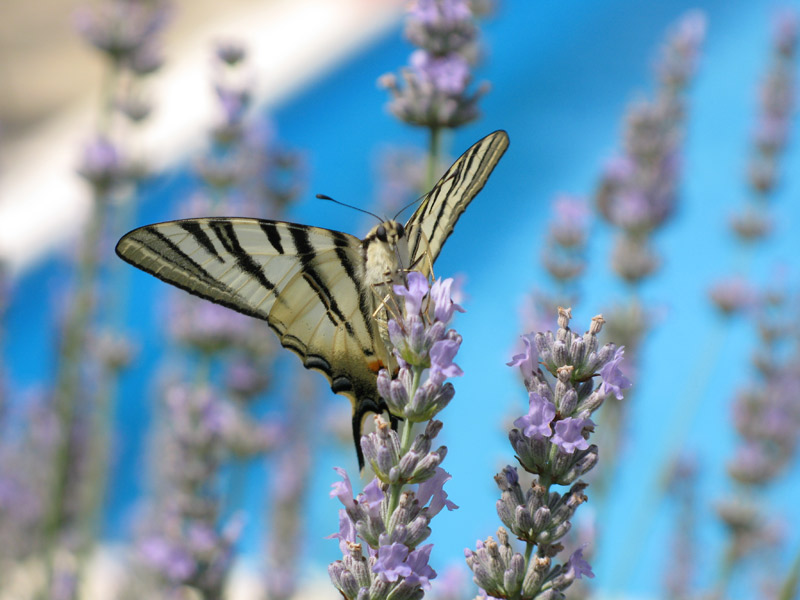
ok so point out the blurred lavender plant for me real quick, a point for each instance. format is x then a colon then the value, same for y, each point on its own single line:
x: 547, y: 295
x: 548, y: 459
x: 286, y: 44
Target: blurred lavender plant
x: 771, y: 133
x: 564, y: 259
x: 243, y: 171
x: 752, y: 223
x: 638, y: 194
x: 434, y: 93
x: 183, y: 547
x: 4, y: 298
x: 764, y: 413
x: 389, y: 516
x: 29, y: 437
x: 766, y: 416
x: 126, y: 32
x: 638, y: 190
x: 291, y: 481
x: 551, y: 443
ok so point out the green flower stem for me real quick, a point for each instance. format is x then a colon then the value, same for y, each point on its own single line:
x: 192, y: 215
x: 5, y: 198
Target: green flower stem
x: 406, y: 439
x: 239, y: 470
x: 434, y: 149
x: 791, y: 586
x: 729, y: 560
x: 67, y: 388
x: 529, y: 546
x: 73, y: 349
x: 98, y: 466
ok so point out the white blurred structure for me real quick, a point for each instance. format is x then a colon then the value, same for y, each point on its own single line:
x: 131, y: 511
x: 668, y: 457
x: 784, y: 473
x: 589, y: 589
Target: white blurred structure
x: 290, y: 42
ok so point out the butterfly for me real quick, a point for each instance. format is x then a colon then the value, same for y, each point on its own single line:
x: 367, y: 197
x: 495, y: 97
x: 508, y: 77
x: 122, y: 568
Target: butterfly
x: 318, y: 289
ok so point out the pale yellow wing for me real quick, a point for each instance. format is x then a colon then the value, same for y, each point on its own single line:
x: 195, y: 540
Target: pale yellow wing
x: 434, y: 220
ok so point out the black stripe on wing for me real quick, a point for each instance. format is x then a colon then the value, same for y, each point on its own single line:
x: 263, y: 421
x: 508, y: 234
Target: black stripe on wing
x: 194, y: 229
x: 169, y: 253
x: 315, y: 279
x: 433, y: 222
x: 226, y: 234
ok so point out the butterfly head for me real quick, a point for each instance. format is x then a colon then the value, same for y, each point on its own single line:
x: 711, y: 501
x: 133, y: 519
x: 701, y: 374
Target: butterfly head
x: 388, y: 232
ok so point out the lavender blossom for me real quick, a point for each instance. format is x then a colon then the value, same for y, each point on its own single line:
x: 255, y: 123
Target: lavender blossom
x: 182, y: 543
x: 551, y: 443
x: 102, y: 165
x: 638, y: 189
x: 564, y: 251
x: 120, y: 28
x: 767, y: 419
x: 732, y: 295
x: 392, y: 515
x: 434, y: 91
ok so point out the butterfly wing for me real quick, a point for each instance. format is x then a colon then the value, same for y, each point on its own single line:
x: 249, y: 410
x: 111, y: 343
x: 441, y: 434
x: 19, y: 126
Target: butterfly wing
x: 434, y: 220
x: 306, y: 282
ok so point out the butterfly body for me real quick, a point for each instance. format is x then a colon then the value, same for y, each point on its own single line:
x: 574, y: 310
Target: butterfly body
x: 385, y: 253
x: 321, y: 291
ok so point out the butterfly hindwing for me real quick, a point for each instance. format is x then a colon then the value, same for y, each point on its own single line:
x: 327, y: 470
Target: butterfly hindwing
x: 306, y: 282
x: 434, y: 220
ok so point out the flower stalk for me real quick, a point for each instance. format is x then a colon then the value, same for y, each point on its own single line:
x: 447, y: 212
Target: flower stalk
x: 551, y: 444
x: 390, y: 518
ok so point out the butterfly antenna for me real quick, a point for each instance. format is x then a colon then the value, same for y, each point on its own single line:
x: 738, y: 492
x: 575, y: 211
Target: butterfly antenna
x: 399, y: 212
x: 366, y: 212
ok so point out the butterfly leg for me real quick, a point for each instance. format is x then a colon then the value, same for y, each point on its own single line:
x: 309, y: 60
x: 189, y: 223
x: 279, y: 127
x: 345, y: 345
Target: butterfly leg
x: 395, y: 421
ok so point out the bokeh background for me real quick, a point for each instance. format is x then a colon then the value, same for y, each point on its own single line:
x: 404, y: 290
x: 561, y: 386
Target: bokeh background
x: 561, y: 77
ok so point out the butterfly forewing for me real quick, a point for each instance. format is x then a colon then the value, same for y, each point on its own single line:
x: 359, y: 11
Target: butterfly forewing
x: 434, y: 220
x: 305, y: 282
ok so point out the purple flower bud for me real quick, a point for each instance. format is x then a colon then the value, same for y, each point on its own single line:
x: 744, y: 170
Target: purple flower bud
x: 442, y: 365
x: 439, y: 12
x: 234, y: 102
x: 785, y: 30
x: 101, y: 163
x: 527, y: 361
x: 164, y: 556
x: 732, y: 295
x: 448, y: 74
x: 373, y: 494
x: 146, y: 59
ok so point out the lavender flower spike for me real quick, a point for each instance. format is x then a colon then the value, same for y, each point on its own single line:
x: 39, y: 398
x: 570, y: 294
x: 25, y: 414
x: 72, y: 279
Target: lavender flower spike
x: 391, y: 517
x: 434, y: 90
x: 551, y: 442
